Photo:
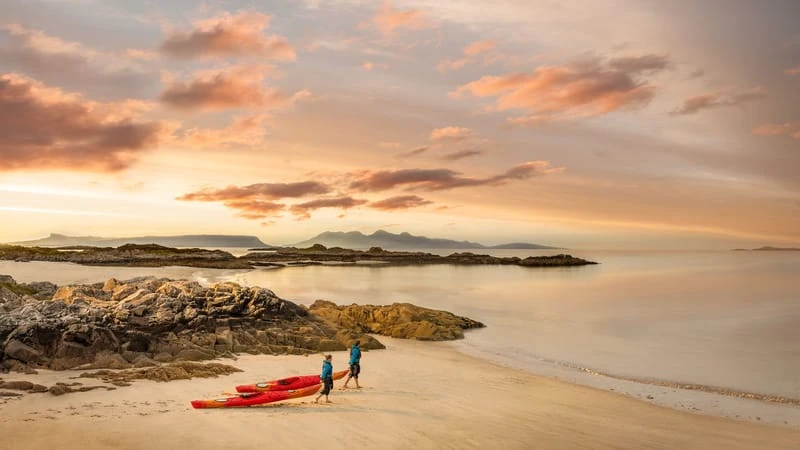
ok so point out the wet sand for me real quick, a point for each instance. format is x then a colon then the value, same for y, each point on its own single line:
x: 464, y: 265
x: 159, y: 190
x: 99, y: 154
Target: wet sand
x: 415, y: 395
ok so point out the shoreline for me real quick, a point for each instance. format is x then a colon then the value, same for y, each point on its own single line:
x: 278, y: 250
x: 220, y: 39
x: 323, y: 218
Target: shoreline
x: 416, y: 394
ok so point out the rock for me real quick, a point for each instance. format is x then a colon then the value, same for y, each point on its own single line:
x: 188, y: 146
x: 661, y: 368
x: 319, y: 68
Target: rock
x: 194, y: 355
x: 10, y: 394
x: 21, y: 352
x: 399, y: 320
x: 143, y: 361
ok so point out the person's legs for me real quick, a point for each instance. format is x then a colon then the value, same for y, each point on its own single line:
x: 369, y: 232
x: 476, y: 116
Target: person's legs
x: 355, y: 369
x: 349, y: 376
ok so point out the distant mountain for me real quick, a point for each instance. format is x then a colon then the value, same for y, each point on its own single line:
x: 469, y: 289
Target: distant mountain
x: 196, y: 240
x: 769, y: 249
x: 390, y: 241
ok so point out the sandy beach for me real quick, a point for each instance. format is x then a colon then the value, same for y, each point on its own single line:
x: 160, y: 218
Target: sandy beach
x: 415, y: 395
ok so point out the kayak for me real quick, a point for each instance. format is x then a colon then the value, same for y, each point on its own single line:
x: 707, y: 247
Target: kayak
x: 255, y: 398
x: 287, y: 383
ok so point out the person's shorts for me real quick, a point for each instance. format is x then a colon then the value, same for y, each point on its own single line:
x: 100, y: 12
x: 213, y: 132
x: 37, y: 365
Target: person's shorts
x: 355, y: 369
x: 327, y: 385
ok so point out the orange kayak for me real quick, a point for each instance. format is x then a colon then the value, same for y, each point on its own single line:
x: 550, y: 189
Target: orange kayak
x: 285, y: 384
x: 255, y: 398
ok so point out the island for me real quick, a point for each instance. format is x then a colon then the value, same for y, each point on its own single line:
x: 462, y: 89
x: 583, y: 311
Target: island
x: 151, y: 255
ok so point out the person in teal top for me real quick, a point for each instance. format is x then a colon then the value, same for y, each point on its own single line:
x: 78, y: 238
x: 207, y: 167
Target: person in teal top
x: 355, y: 363
x: 327, y: 379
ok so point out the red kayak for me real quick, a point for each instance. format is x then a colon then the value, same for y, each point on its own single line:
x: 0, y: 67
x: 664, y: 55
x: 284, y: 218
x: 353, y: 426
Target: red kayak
x: 256, y: 398
x: 285, y: 384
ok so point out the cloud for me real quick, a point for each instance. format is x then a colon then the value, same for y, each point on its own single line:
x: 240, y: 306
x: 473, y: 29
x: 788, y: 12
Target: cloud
x: 462, y: 154
x: 722, y: 99
x: 443, y: 179
x: 414, y: 152
x: 231, y: 87
x: 270, y: 191
x: 388, y: 19
x: 54, y: 60
x: 577, y: 90
x: 392, y: 145
x: 142, y: 55
x: 469, y: 55
x: 255, y: 209
x: 451, y: 134
x: 240, y: 34
x: 46, y: 128
x: 400, y: 202
x: 778, y: 129
x: 793, y: 71
x: 369, y: 66
x: 303, y: 210
x: 478, y: 47
x: 245, y: 130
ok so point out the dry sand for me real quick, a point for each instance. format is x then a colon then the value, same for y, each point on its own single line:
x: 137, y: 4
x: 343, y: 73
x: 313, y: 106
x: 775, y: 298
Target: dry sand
x: 415, y: 395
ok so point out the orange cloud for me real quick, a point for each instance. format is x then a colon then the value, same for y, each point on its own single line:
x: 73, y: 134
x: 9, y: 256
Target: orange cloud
x: 243, y: 131
x: 478, y: 47
x: 255, y: 209
x: 793, y: 71
x: 400, y: 202
x: 451, y: 134
x: 723, y: 99
x: 227, y: 34
x: 573, y: 91
x: 389, y: 19
x: 303, y: 210
x: 778, y: 129
x: 443, y: 179
x: 470, y: 53
x: 231, y: 87
x: 46, y: 128
x: 270, y: 191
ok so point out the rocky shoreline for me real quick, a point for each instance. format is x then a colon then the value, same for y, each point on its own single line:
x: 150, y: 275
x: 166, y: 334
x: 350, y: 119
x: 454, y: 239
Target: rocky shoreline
x: 147, y: 321
x: 151, y: 255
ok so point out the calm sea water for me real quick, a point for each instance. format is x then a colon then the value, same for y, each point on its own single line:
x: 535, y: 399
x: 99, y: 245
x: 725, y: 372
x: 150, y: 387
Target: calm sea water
x: 727, y: 319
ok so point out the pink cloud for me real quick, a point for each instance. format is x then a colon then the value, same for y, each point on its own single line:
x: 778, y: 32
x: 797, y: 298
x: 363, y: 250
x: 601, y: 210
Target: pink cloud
x: 240, y: 34
x: 778, y: 129
x: 478, y: 47
x: 469, y: 54
x: 722, y: 99
x: 369, y: 66
x: 231, y: 87
x: 389, y: 19
x: 400, y: 202
x: 793, y: 71
x: 573, y: 91
x: 255, y: 209
x: 46, y: 128
x: 450, y: 134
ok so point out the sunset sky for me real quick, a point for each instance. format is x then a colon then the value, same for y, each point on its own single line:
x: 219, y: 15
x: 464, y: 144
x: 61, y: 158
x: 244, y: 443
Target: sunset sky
x: 584, y: 123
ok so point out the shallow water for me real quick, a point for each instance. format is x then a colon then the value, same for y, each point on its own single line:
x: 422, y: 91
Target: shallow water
x: 724, y: 319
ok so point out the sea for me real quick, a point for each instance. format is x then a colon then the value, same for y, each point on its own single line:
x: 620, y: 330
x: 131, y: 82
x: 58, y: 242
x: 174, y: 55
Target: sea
x: 710, y: 332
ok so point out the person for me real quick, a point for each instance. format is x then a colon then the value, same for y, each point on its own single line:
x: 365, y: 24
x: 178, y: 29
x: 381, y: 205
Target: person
x: 355, y: 364
x: 327, y: 379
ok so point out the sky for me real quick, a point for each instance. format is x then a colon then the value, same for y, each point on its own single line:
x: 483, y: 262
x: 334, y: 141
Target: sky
x: 585, y: 123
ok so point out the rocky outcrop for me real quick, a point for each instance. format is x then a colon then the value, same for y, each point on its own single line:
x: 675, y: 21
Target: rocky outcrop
x: 319, y: 254
x: 146, y: 321
x: 156, y: 255
x: 399, y: 320
x: 149, y: 255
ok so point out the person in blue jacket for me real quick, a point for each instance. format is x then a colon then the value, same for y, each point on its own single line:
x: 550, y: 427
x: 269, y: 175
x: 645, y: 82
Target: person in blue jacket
x: 355, y: 363
x: 327, y: 379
